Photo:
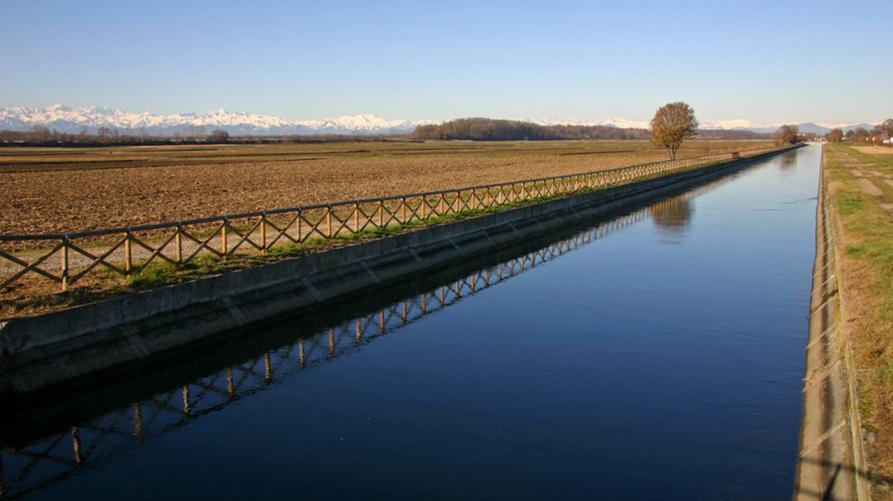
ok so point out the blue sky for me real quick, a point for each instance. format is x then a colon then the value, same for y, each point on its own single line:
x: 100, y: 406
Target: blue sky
x: 764, y: 61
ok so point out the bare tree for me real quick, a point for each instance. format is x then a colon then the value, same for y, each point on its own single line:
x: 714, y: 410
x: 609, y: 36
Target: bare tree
x: 834, y: 135
x: 218, y: 136
x: 887, y: 127
x: 861, y: 135
x: 672, y: 124
x: 787, y: 134
x: 196, y: 131
x: 39, y: 134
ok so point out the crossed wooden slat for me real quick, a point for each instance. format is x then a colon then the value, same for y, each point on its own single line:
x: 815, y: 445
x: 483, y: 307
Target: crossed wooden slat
x: 33, y: 267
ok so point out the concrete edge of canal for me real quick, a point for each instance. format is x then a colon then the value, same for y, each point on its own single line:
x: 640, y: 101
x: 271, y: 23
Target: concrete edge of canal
x: 60, y: 347
x: 831, y: 462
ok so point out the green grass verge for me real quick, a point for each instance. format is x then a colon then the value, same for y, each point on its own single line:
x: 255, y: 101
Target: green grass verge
x: 869, y: 242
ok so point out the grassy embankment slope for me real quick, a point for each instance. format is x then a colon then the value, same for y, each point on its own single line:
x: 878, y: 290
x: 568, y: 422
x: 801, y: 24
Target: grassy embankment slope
x: 861, y: 187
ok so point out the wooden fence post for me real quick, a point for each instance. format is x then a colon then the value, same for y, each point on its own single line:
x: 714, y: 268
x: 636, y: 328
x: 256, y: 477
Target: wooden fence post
x: 331, y: 227
x: 65, y: 263
x: 128, y: 254
x: 179, y: 242
x: 224, y: 245
x: 263, y: 232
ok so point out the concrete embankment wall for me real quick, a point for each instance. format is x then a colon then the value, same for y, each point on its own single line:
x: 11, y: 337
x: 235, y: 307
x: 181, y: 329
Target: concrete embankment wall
x: 46, y: 350
x: 831, y: 463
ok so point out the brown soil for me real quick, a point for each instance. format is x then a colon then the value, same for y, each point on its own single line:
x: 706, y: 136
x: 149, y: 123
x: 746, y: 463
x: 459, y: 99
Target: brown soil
x: 107, y: 187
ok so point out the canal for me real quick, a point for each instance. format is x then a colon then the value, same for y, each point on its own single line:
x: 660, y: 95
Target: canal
x: 655, y: 353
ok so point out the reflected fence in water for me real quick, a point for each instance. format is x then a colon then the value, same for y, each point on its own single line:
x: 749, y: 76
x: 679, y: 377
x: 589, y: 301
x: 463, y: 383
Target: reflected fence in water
x: 54, y: 458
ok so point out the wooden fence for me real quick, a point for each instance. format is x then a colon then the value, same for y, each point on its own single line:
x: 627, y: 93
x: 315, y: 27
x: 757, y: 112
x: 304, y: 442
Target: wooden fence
x: 68, y: 258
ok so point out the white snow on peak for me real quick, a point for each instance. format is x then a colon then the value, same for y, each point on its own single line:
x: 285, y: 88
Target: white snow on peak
x: 69, y: 119
x: 605, y: 122
x: 735, y: 123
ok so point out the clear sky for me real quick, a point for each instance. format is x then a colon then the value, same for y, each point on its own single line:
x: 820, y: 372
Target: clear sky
x: 767, y: 61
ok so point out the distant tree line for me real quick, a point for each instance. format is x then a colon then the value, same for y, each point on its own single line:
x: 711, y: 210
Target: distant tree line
x: 489, y: 129
x: 40, y: 135
x: 43, y: 136
x: 879, y: 134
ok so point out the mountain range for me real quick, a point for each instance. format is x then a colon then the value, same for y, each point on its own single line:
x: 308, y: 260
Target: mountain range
x: 74, y: 120
x: 90, y: 119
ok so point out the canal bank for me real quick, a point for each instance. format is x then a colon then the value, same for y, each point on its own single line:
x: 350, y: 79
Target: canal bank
x: 49, y: 349
x: 833, y: 463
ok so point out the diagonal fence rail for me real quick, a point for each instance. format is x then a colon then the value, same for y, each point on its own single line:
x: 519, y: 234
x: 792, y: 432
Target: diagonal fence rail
x: 70, y: 257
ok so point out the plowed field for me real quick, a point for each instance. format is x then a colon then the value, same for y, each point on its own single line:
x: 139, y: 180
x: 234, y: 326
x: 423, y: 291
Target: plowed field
x: 71, y: 189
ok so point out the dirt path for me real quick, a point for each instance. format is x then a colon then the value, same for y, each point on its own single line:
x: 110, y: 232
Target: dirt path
x: 876, y: 183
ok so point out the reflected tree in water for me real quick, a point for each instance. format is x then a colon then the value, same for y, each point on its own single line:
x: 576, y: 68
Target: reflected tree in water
x: 788, y: 161
x: 673, y: 214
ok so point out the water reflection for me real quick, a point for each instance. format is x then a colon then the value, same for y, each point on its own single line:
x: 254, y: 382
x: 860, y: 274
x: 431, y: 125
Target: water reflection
x: 44, y: 446
x: 788, y: 161
x: 672, y: 215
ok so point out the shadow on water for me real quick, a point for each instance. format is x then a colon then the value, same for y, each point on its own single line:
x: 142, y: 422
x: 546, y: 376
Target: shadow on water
x: 52, y: 436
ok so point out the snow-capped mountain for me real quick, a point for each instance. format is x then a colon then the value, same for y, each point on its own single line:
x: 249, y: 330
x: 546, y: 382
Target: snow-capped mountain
x: 89, y: 118
x: 618, y: 122
x: 810, y: 127
x: 735, y: 124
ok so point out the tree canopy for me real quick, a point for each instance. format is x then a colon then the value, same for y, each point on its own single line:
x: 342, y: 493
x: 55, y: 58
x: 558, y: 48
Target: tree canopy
x: 672, y: 124
x: 835, y: 135
x: 787, y: 134
x: 489, y: 129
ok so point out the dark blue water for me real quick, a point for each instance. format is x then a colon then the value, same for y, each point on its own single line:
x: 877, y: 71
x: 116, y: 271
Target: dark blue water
x: 656, y: 355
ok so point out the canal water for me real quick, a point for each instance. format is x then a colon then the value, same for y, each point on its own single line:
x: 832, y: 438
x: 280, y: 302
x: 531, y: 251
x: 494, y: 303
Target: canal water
x: 653, y: 354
